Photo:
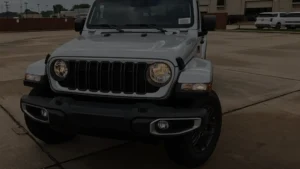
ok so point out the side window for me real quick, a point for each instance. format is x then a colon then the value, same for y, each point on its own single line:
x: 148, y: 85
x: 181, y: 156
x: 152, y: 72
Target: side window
x: 282, y: 14
x: 287, y: 15
x: 220, y: 2
x: 293, y: 15
x: 94, y: 15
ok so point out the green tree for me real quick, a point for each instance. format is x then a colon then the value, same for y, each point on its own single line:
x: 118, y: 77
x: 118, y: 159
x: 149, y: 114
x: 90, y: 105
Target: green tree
x: 80, y: 6
x: 46, y: 14
x: 28, y: 11
x: 58, y: 7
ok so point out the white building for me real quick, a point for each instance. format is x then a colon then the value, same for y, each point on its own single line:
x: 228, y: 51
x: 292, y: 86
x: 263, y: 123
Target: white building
x: 72, y: 14
x: 245, y: 7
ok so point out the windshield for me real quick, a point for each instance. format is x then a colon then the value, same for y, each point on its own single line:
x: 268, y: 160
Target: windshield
x: 128, y: 13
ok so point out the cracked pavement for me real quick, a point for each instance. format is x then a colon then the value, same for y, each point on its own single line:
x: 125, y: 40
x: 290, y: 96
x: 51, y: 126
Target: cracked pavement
x: 256, y: 76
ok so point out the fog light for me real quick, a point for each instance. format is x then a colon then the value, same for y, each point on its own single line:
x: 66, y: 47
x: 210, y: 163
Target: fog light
x: 163, y: 125
x: 44, y: 113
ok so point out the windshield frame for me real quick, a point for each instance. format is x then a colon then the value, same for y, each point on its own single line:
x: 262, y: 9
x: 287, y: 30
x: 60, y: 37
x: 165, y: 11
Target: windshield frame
x: 183, y: 26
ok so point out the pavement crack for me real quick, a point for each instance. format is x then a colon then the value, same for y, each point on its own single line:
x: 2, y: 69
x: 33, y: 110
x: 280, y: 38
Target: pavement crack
x: 279, y: 77
x: 259, y: 102
x: 39, y: 145
x: 11, y: 116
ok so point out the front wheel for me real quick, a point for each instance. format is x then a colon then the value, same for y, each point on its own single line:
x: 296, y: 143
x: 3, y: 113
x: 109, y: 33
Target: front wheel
x: 194, y: 149
x: 291, y: 27
x: 278, y: 25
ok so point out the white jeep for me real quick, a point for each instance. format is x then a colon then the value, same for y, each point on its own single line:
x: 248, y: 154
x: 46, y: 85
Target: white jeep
x: 138, y: 70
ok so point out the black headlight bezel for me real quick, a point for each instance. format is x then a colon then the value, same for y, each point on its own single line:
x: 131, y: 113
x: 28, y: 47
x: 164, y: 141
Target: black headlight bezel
x: 53, y: 74
x: 155, y: 83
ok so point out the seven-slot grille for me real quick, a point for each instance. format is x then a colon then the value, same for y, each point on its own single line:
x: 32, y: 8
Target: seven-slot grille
x: 115, y: 77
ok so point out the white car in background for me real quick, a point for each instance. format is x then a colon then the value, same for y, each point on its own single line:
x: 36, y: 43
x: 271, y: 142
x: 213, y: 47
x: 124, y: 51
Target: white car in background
x: 270, y: 20
x: 292, y: 20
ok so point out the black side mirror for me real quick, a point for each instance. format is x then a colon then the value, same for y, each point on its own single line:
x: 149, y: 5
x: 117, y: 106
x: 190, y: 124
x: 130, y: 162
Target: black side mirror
x: 79, y: 24
x: 209, y: 23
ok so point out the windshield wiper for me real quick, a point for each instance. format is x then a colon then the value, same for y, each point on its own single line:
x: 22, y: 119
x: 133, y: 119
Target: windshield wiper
x: 111, y: 26
x: 154, y: 26
x: 149, y: 26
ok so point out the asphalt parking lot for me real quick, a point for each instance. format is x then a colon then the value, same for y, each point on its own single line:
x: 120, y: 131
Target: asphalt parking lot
x: 256, y: 76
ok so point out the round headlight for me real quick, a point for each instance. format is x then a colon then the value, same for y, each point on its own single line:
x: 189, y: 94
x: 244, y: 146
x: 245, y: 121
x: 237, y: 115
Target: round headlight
x: 60, y: 69
x: 159, y: 74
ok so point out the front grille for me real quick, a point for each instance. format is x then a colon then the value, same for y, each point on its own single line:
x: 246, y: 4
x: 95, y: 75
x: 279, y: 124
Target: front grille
x: 115, y: 77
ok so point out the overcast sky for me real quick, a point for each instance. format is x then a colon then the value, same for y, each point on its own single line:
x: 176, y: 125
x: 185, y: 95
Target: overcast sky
x: 14, y: 5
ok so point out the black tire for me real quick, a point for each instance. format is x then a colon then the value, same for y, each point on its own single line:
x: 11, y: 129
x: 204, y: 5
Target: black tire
x: 181, y: 149
x: 259, y: 27
x: 278, y: 25
x: 291, y: 27
x: 43, y: 131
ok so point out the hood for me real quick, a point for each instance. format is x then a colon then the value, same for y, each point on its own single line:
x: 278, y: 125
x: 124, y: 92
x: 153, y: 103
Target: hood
x: 130, y: 45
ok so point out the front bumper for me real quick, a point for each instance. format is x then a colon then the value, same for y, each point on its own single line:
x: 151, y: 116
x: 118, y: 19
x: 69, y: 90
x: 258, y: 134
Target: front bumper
x: 67, y: 115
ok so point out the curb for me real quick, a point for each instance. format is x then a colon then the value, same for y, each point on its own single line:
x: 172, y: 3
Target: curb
x: 29, y: 31
x: 257, y: 31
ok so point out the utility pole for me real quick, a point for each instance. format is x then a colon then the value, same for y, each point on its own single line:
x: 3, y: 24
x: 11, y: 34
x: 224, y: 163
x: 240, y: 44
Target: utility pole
x: 26, y: 3
x: 6, y: 5
x: 38, y: 8
x: 21, y: 7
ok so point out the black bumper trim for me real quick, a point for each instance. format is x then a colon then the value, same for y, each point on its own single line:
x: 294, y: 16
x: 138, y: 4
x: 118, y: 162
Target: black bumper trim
x: 69, y: 115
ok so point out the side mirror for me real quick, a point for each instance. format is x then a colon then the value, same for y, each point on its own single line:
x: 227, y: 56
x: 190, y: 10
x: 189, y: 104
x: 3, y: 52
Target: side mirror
x: 209, y: 22
x: 79, y: 24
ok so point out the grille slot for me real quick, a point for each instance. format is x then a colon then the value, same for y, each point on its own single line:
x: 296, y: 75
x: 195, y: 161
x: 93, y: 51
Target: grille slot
x: 115, y: 77
x: 82, y: 76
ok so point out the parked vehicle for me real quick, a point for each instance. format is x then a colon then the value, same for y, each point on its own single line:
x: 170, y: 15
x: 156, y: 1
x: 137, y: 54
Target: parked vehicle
x: 292, y: 20
x: 270, y: 20
x: 134, y: 72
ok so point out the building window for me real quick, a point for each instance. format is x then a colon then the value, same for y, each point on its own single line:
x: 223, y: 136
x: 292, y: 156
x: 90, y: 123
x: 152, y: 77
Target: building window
x: 296, y: 1
x: 220, y: 2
